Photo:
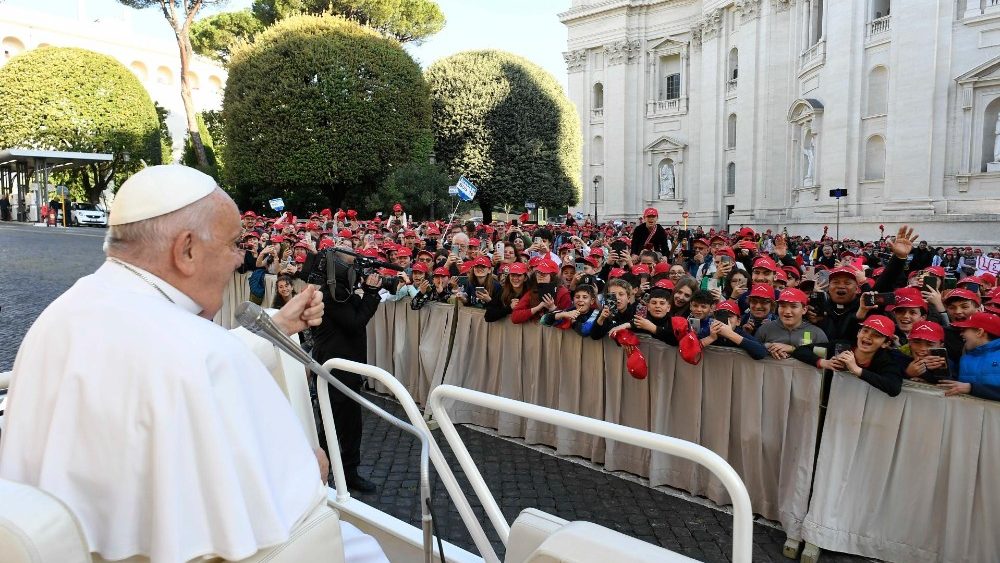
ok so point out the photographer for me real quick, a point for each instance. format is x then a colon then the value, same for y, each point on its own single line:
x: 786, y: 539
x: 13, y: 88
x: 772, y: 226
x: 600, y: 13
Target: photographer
x: 349, y: 304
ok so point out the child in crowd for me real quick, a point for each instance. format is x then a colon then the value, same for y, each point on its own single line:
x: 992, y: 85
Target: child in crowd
x: 437, y: 291
x: 581, y: 317
x: 618, y: 308
x: 544, y: 296
x: 760, y: 305
x: 657, y: 320
x: 506, y: 297
x: 924, y: 357
x: 724, y: 330
x: 782, y: 336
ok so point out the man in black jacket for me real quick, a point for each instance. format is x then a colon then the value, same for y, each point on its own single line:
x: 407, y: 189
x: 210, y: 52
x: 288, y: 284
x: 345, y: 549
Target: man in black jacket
x: 649, y: 235
x: 343, y: 335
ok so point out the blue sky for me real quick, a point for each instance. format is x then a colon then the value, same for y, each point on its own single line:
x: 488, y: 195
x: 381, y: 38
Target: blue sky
x: 528, y: 28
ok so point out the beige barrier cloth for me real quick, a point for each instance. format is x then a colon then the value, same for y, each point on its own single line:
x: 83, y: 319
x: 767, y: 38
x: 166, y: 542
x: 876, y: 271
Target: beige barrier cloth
x: 911, y: 478
x: 236, y: 292
x: 411, y: 345
x: 761, y: 416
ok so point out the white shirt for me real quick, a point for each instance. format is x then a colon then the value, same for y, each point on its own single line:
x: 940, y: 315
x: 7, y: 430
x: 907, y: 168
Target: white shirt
x: 161, y: 431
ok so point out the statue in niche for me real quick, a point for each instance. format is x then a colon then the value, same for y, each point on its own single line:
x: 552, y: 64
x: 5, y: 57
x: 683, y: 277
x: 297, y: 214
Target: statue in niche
x: 996, y: 141
x: 666, y: 181
x: 809, y: 152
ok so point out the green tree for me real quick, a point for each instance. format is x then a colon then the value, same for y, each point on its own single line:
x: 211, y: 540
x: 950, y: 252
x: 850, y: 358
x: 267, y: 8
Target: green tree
x: 421, y: 187
x: 320, y: 107
x: 69, y: 99
x: 506, y: 125
x: 180, y: 14
x: 403, y: 20
x: 189, y: 159
x: 215, y: 35
x: 166, y: 139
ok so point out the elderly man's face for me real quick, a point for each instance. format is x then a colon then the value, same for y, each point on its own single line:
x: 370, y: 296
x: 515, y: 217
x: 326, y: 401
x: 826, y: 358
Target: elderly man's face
x: 216, y: 258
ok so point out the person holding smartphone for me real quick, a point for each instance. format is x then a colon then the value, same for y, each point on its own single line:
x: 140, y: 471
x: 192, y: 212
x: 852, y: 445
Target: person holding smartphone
x: 618, y: 308
x: 544, y: 296
x: 724, y: 330
x: 978, y: 371
x: 925, y: 357
x: 868, y: 357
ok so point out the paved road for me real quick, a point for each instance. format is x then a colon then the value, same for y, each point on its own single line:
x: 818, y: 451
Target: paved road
x: 37, y: 264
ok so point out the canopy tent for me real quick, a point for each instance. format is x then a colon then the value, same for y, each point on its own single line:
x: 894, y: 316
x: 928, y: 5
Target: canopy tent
x: 17, y: 166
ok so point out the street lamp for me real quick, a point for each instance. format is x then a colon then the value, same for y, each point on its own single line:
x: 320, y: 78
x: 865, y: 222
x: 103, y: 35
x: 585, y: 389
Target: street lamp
x: 597, y: 181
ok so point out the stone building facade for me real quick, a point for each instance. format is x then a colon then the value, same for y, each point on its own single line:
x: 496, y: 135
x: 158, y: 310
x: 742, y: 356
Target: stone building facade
x: 748, y: 112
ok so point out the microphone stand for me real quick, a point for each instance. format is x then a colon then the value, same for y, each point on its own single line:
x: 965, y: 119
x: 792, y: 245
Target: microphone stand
x: 253, y: 317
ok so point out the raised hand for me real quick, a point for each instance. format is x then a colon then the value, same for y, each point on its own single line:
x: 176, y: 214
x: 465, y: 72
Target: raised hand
x: 903, y: 245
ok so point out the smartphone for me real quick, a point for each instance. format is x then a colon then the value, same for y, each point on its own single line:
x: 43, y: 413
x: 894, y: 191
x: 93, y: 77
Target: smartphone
x: 695, y: 324
x: 807, y: 286
x: 723, y: 316
x: 538, y: 240
x: 950, y: 283
x: 500, y: 249
x: 454, y: 249
x: 463, y: 281
x: 579, y: 267
x: 823, y: 276
x: 480, y: 289
x: 935, y: 376
x: 932, y: 281
x: 840, y: 348
x: 810, y: 272
x: 817, y: 300
x: 546, y: 289
x: 726, y: 259
x: 973, y: 287
x: 714, y: 283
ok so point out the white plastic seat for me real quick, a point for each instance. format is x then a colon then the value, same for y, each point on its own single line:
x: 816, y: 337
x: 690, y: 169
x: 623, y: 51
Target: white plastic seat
x: 537, y: 537
x: 36, y: 527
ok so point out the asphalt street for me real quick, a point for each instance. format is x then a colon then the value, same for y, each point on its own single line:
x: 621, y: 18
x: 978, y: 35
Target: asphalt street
x: 37, y: 264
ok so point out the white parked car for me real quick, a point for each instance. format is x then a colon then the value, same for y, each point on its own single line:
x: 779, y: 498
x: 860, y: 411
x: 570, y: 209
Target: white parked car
x: 87, y: 214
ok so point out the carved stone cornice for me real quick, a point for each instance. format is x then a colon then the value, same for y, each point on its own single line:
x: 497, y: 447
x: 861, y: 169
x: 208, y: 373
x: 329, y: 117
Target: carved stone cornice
x: 707, y: 27
x: 576, y: 61
x: 782, y: 5
x: 747, y: 9
x: 624, y: 51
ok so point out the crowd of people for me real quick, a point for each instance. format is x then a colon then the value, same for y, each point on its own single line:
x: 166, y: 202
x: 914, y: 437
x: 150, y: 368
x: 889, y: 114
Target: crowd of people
x: 884, y: 310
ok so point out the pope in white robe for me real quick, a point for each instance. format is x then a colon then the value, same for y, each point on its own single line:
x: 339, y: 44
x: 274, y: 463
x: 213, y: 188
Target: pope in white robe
x: 162, y: 431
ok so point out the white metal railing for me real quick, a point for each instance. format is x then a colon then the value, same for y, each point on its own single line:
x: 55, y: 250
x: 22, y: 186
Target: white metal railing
x: 731, y: 86
x: 666, y: 107
x: 881, y: 25
x: 742, y: 511
x: 597, y: 113
x: 811, y: 54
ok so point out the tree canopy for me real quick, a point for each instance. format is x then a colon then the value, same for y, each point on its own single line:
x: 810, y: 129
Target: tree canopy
x: 320, y: 107
x: 403, y: 20
x: 506, y: 125
x: 215, y: 35
x: 69, y: 99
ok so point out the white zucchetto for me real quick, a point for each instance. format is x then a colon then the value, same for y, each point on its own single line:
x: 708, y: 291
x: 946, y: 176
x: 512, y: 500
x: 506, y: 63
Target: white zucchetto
x: 158, y: 190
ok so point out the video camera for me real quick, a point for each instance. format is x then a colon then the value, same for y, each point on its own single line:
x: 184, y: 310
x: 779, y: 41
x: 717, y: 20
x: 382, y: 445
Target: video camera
x: 341, y: 277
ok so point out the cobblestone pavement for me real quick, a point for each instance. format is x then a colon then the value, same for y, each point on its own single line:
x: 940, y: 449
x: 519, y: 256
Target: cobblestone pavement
x: 38, y: 264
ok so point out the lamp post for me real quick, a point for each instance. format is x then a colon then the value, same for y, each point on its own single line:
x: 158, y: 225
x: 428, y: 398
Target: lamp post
x: 597, y: 180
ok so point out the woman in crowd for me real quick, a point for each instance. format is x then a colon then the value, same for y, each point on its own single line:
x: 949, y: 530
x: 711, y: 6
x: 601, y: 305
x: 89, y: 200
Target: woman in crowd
x: 684, y: 289
x: 676, y: 272
x: 284, y: 291
x: 867, y: 358
x: 737, y: 282
x: 481, y: 285
x: 544, y: 296
x: 505, y: 298
x: 618, y: 308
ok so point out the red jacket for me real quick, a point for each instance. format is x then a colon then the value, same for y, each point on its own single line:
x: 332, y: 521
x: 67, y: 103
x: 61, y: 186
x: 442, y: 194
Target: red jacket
x: 522, y: 313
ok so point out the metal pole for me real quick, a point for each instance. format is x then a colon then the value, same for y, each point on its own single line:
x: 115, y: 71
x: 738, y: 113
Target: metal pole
x: 838, y: 218
x: 595, y: 201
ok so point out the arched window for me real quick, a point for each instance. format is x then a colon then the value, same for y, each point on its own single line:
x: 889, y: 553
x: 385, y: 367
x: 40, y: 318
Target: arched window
x: 140, y: 70
x: 878, y: 91
x: 875, y: 158
x: 215, y: 83
x: 734, y: 64
x: 597, y: 150
x: 666, y: 180
x: 164, y: 76
x: 193, y: 81
x: 598, y: 96
x: 12, y: 46
x: 731, y: 131
x: 991, y: 134
x: 731, y: 179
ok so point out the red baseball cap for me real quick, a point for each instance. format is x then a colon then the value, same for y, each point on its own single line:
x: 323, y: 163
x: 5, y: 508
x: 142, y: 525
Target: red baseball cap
x: 650, y: 212
x: 937, y: 271
x: 908, y: 297
x: 403, y: 251
x: 590, y: 261
x: 661, y: 268
x: 345, y: 233
x: 968, y: 280
x: 728, y: 305
x: 616, y: 273
x: 727, y: 251
x: 442, y: 271
x: 547, y: 267
x: 765, y: 262
x: 780, y: 275
x: 397, y: 208
x: 277, y: 239
x: 718, y: 237
x: 793, y: 295
x: 664, y: 284
x: 597, y: 252
x: 535, y: 261
x: 474, y: 242
x: 747, y: 232
x: 844, y: 271
x: 466, y: 266
x: 640, y: 269
x: 763, y: 291
x: 881, y: 324
x: 991, y: 295
x: 517, y: 268
x: 567, y: 264
x: 249, y: 214
x: 963, y: 294
x: 325, y: 243
x: 483, y: 261
x: 927, y: 330
x: 421, y: 267
x: 986, y: 321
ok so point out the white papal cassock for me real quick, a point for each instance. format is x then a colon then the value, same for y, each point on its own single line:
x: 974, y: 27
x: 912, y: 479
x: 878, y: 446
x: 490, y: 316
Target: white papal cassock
x: 159, y: 429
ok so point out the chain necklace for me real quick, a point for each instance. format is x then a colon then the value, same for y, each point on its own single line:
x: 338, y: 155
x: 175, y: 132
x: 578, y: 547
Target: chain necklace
x: 141, y: 276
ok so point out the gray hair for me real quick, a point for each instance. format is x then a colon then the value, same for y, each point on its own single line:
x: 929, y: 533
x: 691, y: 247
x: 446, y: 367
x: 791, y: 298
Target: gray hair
x: 153, y: 237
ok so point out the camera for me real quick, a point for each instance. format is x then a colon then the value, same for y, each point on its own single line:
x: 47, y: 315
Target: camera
x: 340, y: 277
x: 611, y: 302
x: 817, y: 300
x: 879, y: 299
